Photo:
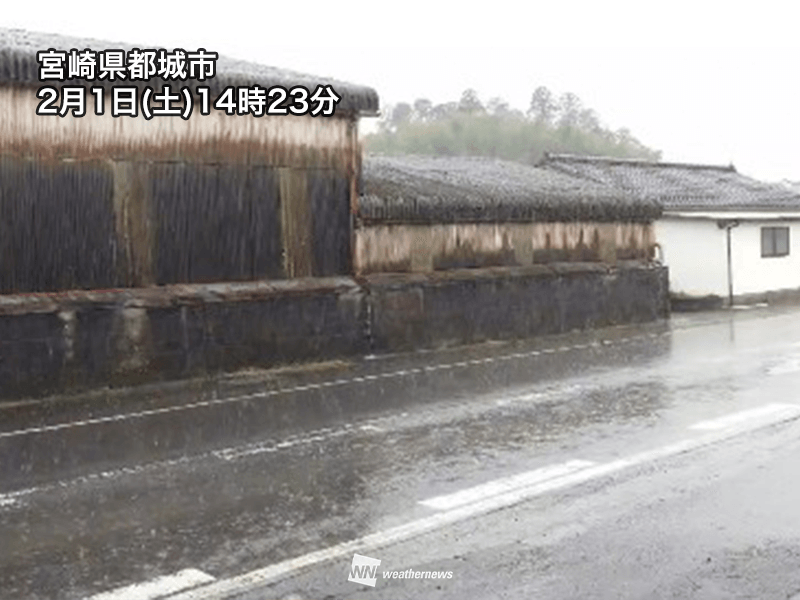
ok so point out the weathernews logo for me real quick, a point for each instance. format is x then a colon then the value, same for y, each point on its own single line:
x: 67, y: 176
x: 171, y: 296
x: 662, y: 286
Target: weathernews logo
x: 364, y: 571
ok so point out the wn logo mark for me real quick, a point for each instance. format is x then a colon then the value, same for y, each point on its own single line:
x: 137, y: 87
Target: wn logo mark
x: 364, y: 570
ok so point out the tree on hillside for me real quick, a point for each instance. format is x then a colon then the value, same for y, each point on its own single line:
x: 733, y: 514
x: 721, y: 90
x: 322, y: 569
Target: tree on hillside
x: 468, y: 127
x: 543, y: 107
x: 442, y: 111
x: 497, y: 106
x: 588, y: 120
x: 569, y: 110
x: 399, y: 115
x: 470, y: 103
x: 422, y: 109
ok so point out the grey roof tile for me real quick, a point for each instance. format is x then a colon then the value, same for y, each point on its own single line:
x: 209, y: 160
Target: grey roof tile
x: 678, y: 186
x: 461, y: 189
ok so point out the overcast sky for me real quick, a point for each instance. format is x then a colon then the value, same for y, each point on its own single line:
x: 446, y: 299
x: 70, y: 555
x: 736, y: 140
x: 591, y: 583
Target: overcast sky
x: 702, y: 82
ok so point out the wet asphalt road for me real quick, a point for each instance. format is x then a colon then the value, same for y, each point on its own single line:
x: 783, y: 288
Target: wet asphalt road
x: 232, y: 478
x: 722, y: 523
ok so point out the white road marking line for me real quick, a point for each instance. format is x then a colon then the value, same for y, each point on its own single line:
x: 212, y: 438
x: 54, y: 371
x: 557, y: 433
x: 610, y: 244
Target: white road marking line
x: 223, y: 454
x: 506, y: 484
x: 787, y: 365
x: 233, y: 453
x: 369, y: 427
x: 229, y: 453
x: 530, y: 397
x: 746, y: 415
x: 7, y: 502
x: 158, y: 587
x: 253, y: 580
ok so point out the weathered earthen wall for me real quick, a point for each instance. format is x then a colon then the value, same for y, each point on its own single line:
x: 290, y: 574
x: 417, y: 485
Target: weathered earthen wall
x: 426, y: 248
x: 285, y: 141
x: 104, y: 202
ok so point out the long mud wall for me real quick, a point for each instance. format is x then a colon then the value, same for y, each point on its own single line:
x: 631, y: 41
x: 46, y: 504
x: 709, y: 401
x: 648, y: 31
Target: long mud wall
x: 283, y: 141
x: 442, y: 246
x: 104, y: 202
x: 71, y: 341
x: 107, y: 224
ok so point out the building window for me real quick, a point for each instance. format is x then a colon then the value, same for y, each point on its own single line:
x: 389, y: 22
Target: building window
x: 774, y: 241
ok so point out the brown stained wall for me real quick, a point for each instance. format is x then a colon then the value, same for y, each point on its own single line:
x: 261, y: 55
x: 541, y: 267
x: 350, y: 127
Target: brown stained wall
x: 632, y: 240
x: 216, y: 222
x: 58, y: 229
x: 285, y: 141
x: 425, y: 248
x: 329, y: 193
x: 133, y: 214
x: 296, y: 219
x: 102, y: 202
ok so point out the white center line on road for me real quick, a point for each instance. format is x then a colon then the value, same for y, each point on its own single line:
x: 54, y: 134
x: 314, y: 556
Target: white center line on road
x: 762, y: 412
x: 283, y: 391
x: 248, y: 582
x: 10, y: 500
x: 7, y: 502
x: 157, y: 588
x: 507, y: 484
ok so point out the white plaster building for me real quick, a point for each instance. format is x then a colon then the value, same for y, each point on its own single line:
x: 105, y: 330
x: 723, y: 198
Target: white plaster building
x: 725, y: 237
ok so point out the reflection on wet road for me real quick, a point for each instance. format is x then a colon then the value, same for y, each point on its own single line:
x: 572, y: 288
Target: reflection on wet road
x: 97, y: 496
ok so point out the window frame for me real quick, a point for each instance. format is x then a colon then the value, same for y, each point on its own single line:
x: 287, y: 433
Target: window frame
x: 769, y: 235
